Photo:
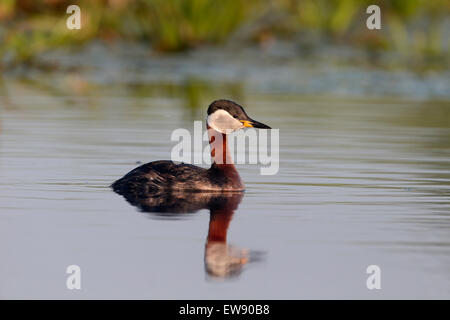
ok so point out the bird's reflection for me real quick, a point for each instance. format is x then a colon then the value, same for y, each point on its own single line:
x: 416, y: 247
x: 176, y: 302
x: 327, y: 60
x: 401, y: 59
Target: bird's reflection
x: 221, y: 260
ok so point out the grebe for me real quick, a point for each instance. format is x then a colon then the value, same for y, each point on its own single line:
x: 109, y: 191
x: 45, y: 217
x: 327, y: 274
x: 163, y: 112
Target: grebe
x: 223, y: 117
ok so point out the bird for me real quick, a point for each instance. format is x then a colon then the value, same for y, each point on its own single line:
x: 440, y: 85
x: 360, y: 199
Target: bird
x: 164, y: 176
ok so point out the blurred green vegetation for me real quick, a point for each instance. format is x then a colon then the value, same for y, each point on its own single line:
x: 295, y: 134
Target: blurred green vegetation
x: 409, y: 27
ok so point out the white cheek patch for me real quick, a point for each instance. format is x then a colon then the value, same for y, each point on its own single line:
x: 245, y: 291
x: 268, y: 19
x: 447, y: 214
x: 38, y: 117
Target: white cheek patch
x: 223, y: 122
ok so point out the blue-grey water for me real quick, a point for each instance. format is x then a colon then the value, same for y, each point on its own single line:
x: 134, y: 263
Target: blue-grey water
x: 361, y: 182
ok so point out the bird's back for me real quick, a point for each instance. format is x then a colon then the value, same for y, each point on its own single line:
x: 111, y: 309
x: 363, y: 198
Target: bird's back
x: 165, y: 175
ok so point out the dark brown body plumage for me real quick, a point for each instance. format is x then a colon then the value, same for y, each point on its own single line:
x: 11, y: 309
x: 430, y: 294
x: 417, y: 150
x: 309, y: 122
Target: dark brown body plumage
x: 165, y: 175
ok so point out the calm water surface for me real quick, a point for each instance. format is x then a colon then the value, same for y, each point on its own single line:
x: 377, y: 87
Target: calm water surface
x: 360, y: 183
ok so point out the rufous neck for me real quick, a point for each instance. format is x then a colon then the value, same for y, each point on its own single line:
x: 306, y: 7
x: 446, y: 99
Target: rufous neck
x: 219, y: 148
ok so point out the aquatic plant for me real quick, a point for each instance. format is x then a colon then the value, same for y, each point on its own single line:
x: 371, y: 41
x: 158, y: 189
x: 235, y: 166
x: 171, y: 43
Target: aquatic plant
x: 410, y: 27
